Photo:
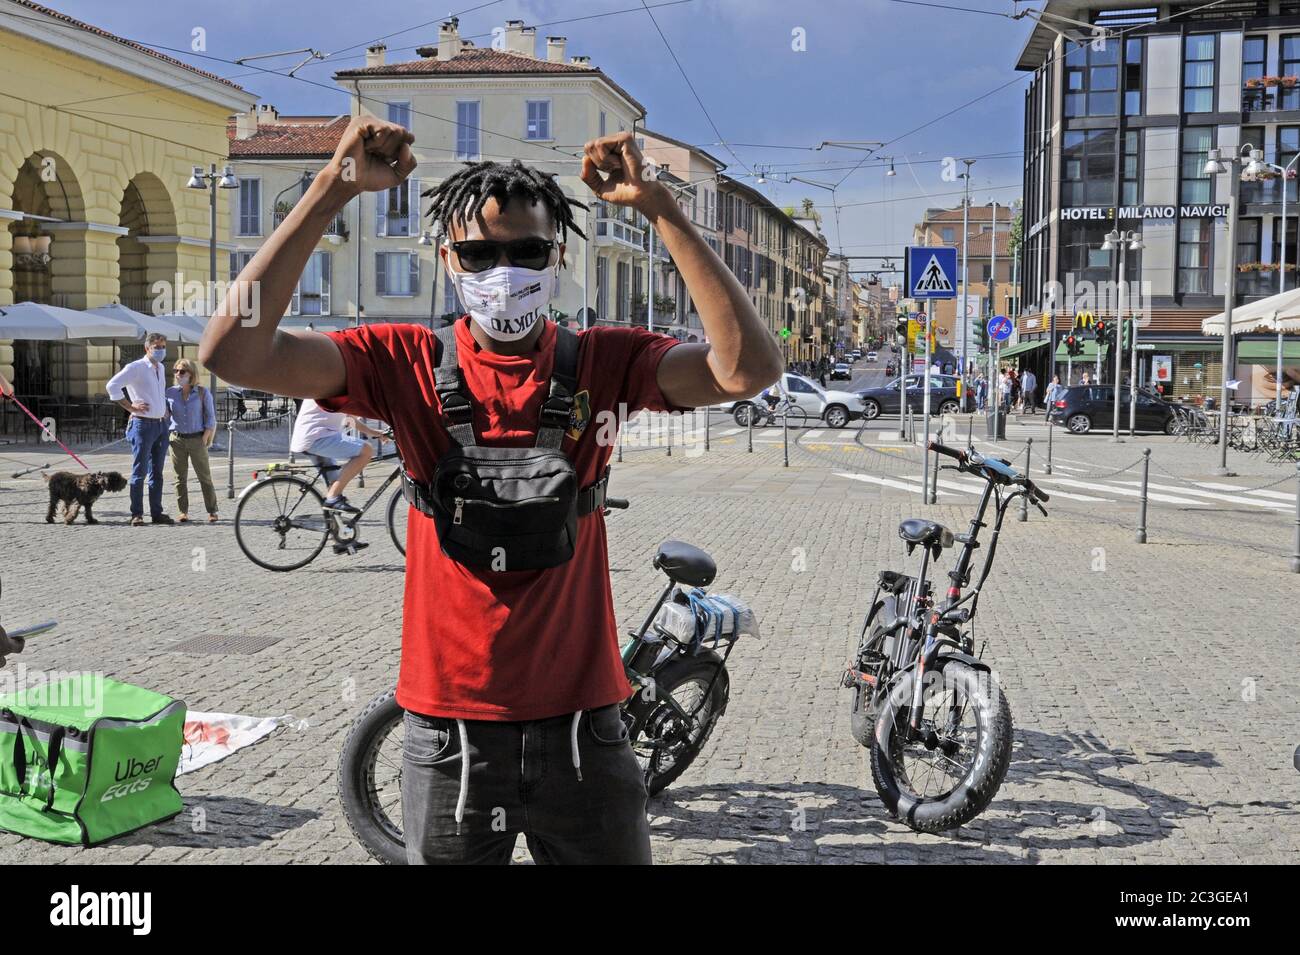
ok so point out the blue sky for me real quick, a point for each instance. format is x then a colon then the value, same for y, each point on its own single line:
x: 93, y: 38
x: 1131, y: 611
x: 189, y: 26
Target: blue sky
x: 872, y: 70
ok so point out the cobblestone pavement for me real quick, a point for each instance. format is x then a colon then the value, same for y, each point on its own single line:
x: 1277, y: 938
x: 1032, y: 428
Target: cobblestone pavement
x: 1155, y: 697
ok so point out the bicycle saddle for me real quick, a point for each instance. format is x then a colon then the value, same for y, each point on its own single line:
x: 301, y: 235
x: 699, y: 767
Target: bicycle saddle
x: 686, y: 564
x: 917, y: 530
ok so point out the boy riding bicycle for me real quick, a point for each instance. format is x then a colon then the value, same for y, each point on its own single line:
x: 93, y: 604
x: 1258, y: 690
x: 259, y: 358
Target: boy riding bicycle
x: 333, y: 436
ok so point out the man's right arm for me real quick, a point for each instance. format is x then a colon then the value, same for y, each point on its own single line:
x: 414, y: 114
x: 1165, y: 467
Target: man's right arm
x: 251, y: 350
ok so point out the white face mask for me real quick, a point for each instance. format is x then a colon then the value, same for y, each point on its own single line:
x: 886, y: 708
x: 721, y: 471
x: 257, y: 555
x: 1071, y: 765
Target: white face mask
x: 505, y: 301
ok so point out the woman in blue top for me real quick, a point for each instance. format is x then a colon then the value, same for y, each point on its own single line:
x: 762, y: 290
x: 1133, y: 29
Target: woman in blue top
x: 194, y: 425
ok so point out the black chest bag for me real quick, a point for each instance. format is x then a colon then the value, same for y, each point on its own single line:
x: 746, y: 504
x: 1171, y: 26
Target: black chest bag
x: 506, y: 508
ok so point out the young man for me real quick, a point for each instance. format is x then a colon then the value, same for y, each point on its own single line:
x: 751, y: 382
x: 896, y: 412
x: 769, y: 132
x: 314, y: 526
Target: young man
x: 329, y: 434
x: 511, y: 679
x: 141, y: 388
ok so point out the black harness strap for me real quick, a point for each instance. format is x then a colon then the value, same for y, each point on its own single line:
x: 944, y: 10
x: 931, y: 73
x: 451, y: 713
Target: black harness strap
x: 453, y: 397
x: 557, y: 409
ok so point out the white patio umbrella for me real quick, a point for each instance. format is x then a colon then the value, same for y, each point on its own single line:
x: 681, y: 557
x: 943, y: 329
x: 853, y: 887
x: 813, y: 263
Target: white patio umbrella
x: 1277, y: 313
x: 33, y: 321
x: 146, y: 324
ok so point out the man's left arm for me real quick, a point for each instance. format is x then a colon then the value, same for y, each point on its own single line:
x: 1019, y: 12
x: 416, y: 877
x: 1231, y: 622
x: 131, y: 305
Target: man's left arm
x: 741, y: 356
x: 209, y: 417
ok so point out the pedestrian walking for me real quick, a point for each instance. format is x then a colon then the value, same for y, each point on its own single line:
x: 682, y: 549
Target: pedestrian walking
x: 193, y: 426
x: 1028, y: 385
x: 1054, y: 388
x: 1004, y: 392
x: 141, y: 388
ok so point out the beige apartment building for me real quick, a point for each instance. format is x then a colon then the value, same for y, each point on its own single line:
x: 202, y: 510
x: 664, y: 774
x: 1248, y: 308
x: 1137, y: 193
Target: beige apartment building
x: 464, y: 103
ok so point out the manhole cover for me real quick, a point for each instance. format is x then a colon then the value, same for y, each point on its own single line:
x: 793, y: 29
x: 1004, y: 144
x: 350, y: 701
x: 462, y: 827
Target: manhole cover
x: 236, y: 643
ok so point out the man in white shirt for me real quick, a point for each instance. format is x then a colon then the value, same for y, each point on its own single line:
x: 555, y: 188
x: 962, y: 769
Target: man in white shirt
x: 141, y: 388
x: 333, y: 435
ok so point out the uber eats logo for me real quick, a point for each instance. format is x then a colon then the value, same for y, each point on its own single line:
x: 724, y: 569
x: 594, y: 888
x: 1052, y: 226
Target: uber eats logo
x: 132, y: 776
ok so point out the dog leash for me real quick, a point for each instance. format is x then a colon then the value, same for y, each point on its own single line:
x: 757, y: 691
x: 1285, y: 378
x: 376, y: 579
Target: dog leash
x: 40, y: 424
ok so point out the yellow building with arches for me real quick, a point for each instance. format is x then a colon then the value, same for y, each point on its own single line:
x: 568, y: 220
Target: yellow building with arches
x: 98, y: 139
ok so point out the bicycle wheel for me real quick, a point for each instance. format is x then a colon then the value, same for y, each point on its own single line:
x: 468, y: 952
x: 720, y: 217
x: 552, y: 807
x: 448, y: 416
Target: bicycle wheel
x: 951, y: 770
x: 398, y: 511
x: 370, y: 779
x: 796, y: 417
x: 280, y: 523
x: 665, y: 744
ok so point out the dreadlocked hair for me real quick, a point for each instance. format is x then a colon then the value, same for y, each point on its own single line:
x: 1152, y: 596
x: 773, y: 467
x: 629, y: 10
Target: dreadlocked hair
x: 462, y: 195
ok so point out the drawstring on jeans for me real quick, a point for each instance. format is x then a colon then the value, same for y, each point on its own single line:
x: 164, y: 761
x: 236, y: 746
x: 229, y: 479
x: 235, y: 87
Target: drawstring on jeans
x: 573, y: 745
x: 463, y: 796
x: 464, y: 774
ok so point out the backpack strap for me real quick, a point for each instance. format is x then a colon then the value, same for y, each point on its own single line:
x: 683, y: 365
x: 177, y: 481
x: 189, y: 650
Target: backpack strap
x: 453, y: 397
x: 557, y: 409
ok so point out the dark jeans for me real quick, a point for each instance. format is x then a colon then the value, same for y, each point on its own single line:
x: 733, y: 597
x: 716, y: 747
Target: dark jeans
x: 522, y: 779
x: 148, y: 440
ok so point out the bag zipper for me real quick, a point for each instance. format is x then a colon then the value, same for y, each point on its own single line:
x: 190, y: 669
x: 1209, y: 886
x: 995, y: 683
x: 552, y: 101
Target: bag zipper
x: 460, y: 510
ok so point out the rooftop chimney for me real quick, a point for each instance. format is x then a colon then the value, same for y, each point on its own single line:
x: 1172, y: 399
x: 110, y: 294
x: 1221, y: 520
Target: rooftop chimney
x: 580, y: 60
x: 555, y: 49
x: 267, y: 114
x: 375, y: 55
x: 520, y: 39
x: 246, y: 123
x: 449, y: 39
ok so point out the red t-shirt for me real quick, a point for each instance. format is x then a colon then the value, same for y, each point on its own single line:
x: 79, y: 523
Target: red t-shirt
x: 502, y: 645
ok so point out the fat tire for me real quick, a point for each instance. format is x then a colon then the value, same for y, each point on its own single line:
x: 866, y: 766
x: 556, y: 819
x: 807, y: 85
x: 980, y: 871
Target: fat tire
x: 378, y: 717
x: 970, y: 797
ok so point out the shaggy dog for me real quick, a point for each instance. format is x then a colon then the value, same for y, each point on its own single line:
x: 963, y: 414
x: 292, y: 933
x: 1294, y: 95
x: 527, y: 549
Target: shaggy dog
x: 76, y: 491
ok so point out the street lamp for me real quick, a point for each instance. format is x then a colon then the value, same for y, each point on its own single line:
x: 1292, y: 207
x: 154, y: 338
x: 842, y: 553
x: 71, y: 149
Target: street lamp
x: 965, y: 277
x: 1125, y: 242
x: 212, y: 182
x: 1218, y: 162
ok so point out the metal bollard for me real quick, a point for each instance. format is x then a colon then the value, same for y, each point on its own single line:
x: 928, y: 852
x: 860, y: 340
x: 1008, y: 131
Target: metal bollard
x: 1141, y: 535
x: 672, y: 419
x: 1024, y: 500
x: 230, y: 460
x: 622, y: 436
x: 785, y: 438
x: 708, y: 419
x: 1295, y: 556
x: 932, y: 495
x: 752, y: 411
x: 1050, y: 429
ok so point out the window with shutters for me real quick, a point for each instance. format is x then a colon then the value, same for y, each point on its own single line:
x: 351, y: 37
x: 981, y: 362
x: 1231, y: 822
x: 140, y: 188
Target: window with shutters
x: 467, y: 129
x: 537, y: 119
x: 250, y: 206
x: 397, y: 274
x: 397, y: 210
x: 312, y: 294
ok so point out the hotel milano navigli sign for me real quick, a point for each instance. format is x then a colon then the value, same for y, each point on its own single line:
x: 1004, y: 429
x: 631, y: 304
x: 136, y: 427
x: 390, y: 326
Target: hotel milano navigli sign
x: 1108, y: 213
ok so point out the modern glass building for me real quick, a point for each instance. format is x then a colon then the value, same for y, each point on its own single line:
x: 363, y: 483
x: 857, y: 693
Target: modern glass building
x: 1125, y: 103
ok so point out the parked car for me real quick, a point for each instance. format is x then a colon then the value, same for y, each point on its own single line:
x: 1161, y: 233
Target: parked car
x: 884, y: 399
x: 836, y: 408
x: 1084, y: 408
x: 842, y: 371
x: 872, y: 356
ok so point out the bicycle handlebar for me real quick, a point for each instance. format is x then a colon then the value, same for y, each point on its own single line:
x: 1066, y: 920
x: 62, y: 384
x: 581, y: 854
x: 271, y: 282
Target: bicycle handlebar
x: 967, y: 461
x: 938, y: 448
x: 617, y: 503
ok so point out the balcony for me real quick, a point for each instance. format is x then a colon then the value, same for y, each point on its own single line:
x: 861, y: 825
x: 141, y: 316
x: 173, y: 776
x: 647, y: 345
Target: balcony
x: 1271, y: 94
x: 1257, y: 279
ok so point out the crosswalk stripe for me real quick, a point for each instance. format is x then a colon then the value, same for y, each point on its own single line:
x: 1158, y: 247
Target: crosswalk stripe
x: 884, y: 482
x: 1163, y: 498
x: 816, y: 433
x: 731, y: 431
x: 1278, y: 495
x: 1229, y: 498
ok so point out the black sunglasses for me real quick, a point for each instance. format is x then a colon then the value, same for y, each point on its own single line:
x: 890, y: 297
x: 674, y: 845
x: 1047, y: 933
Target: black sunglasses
x: 479, y: 255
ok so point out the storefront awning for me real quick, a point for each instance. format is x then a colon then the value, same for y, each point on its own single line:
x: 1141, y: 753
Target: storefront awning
x: 1164, y: 348
x: 1265, y: 353
x: 1089, y: 352
x: 1020, y: 348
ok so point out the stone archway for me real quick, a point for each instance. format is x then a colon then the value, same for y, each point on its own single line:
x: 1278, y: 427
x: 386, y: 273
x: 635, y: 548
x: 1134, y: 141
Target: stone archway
x: 147, y: 213
x: 46, y: 268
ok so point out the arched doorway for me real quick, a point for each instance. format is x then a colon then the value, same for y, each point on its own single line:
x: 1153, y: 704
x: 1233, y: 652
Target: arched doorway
x: 45, y: 192
x: 146, y: 212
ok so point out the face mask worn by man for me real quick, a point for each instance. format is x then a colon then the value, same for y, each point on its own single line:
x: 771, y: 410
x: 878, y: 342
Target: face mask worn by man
x: 159, y: 354
x: 505, y: 301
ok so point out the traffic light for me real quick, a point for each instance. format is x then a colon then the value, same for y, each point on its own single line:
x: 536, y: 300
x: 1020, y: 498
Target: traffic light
x: 1073, y: 346
x: 900, y: 333
x: 1126, y: 333
x: 981, y: 336
x: 1104, y: 332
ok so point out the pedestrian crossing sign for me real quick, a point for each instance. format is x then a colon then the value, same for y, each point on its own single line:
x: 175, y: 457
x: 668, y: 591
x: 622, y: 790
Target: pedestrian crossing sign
x: 931, y: 272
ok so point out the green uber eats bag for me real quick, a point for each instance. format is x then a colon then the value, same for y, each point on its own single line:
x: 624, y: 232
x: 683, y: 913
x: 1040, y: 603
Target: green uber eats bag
x: 87, y: 771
